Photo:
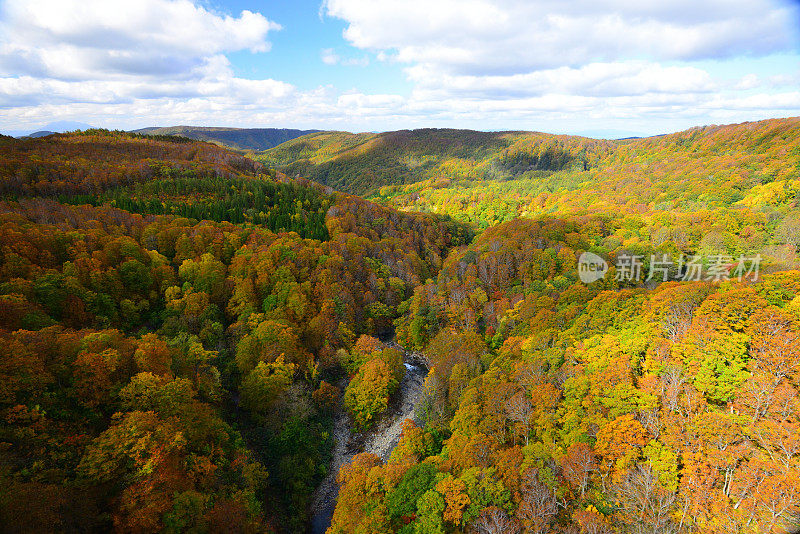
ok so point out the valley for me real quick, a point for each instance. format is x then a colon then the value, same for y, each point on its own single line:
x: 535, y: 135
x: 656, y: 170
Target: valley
x: 196, y: 338
x: 379, y: 267
x: 379, y: 441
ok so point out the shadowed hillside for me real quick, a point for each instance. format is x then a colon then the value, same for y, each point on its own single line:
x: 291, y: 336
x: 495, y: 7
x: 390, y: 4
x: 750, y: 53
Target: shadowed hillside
x: 238, y: 138
x: 362, y: 163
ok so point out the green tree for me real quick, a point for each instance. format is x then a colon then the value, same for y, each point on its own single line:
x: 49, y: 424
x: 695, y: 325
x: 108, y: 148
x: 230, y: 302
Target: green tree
x: 367, y: 395
x: 265, y: 384
x: 402, y: 500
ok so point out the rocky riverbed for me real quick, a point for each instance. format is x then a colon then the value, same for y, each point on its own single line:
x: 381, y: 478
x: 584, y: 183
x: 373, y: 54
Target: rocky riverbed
x: 380, y: 440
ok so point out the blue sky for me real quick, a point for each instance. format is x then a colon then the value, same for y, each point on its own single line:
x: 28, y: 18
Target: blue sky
x: 297, y: 51
x: 595, y: 67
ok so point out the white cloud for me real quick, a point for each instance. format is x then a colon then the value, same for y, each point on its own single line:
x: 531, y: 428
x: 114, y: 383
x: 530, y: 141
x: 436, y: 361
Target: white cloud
x: 488, y: 64
x: 512, y: 61
x: 102, y: 39
x: 512, y: 36
x: 330, y: 57
x: 748, y: 81
x: 71, y: 54
x: 255, y: 103
x: 594, y: 79
x: 785, y: 79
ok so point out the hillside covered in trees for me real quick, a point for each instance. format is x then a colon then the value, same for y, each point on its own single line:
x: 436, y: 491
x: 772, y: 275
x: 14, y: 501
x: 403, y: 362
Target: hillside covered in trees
x: 666, y: 402
x: 487, y: 178
x: 362, y: 163
x: 173, y: 317
x: 181, y: 325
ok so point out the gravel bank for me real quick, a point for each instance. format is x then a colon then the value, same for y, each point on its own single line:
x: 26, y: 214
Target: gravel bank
x: 380, y: 441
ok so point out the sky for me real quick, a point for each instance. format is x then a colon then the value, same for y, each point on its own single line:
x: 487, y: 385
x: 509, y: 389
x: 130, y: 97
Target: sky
x: 610, y: 68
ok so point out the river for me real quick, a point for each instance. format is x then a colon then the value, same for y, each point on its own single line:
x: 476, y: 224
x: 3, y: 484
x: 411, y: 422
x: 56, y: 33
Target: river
x: 380, y: 440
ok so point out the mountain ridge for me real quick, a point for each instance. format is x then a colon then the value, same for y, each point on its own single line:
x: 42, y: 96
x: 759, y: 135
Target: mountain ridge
x: 237, y: 138
x: 431, y: 170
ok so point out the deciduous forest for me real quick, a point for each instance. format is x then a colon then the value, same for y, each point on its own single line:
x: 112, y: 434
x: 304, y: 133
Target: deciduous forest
x: 183, y: 323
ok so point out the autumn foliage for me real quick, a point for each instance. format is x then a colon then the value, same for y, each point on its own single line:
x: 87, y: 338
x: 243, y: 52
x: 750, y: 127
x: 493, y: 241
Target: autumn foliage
x: 174, y: 361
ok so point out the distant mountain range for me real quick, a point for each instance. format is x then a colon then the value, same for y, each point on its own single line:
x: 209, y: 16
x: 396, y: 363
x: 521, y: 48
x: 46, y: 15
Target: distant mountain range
x: 238, y: 138
x: 389, y: 165
x: 41, y: 133
x: 49, y: 129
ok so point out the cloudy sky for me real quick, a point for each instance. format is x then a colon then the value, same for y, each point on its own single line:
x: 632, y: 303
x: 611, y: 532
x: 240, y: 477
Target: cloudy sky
x: 605, y: 68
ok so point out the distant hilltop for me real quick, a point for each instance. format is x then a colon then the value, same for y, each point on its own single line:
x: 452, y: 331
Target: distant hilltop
x: 49, y: 129
x: 41, y: 133
x: 238, y: 138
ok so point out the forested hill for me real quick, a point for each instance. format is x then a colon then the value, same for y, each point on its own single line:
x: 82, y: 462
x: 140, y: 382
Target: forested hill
x: 651, y: 400
x: 238, y: 138
x: 746, y: 167
x: 362, y: 163
x: 180, y: 325
x: 718, y: 164
x: 172, y: 318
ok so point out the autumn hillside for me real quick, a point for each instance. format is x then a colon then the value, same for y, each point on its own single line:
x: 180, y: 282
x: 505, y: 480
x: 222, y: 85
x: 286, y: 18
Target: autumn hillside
x: 659, y: 402
x: 172, y: 319
x: 236, y: 138
x: 182, y: 328
x: 511, y: 174
x: 557, y: 406
x: 362, y: 163
x: 751, y: 167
